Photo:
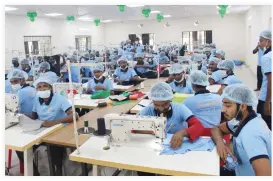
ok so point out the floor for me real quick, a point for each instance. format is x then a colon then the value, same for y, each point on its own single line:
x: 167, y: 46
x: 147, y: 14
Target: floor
x: 243, y: 72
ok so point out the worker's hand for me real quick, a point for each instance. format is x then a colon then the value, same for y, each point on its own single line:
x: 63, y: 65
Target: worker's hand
x: 119, y: 82
x: 89, y: 91
x: 49, y: 123
x: 267, y: 109
x: 99, y: 87
x: 116, y: 80
x: 177, y: 139
x: 223, y: 151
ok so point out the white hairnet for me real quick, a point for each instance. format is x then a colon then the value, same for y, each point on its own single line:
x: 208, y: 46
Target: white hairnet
x: 25, y: 62
x: 18, y: 74
x: 98, y: 67
x: 226, y: 65
x: 161, y: 92
x: 214, y: 59
x: 45, y: 65
x: 176, y: 68
x: 15, y: 59
x: 266, y: 34
x: 122, y: 58
x: 162, y: 54
x: 241, y: 94
x: 220, y: 52
x: 197, y: 57
x: 198, y: 77
x: 44, y: 79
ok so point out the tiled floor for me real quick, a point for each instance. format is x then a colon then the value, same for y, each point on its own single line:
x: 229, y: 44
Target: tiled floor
x: 75, y: 169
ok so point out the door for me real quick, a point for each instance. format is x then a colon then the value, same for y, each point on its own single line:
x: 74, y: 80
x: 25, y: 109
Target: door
x: 208, y: 36
x: 132, y: 37
x: 145, y: 39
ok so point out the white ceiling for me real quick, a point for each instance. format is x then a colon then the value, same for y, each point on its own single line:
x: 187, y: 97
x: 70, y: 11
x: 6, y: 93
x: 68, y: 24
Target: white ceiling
x: 106, y: 12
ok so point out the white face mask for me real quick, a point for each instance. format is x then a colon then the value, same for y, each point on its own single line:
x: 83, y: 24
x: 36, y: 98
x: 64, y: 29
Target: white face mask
x: 44, y: 94
x: 98, y: 78
x: 178, y: 81
x: 16, y: 87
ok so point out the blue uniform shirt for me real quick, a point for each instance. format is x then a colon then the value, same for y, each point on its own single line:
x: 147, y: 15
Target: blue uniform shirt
x: 177, y: 117
x: 125, y: 76
x: 163, y: 59
x: 266, y: 69
x: 108, y: 84
x: 75, y: 71
x: 251, y: 141
x: 180, y: 89
x: 139, y: 49
x: 143, y: 69
x: 7, y: 86
x: 218, y: 76
x: 152, y: 63
x: 26, y: 97
x: 206, y: 107
x: 55, y: 110
x: 260, y: 54
x: 232, y: 79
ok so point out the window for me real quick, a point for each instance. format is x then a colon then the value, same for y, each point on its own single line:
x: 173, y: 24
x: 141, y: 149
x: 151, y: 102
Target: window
x: 195, y: 38
x: 37, y: 45
x: 145, y: 39
x: 83, y: 43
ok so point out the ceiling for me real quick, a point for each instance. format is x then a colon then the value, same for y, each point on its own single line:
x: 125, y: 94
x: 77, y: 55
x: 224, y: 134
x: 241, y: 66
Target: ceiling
x: 111, y: 12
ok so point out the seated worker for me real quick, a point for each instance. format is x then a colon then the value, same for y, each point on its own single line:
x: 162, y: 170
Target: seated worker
x: 213, y: 62
x: 141, y: 66
x: 220, y: 54
x: 217, y: 76
x: 45, y: 71
x: 52, y: 109
x: 180, y: 120
x: 204, y: 105
x: 163, y: 59
x: 25, y: 67
x: 213, y: 50
x: 251, y: 136
x: 152, y: 63
x: 99, y: 82
x: 178, y: 82
x: 124, y: 75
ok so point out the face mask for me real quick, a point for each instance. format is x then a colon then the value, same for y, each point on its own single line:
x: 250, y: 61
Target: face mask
x: 44, y: 94
x: 98, y: 78
x: 124, y: 68
x: 178, y: 81
x: 16, y: 87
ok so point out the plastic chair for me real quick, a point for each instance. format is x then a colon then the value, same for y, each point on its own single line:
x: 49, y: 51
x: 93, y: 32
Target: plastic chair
x: 9, y: 162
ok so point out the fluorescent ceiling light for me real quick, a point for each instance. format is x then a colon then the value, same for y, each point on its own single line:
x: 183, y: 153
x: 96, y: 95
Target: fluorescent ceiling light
x: 106, y: 21
x: 134, y: 6
x: 167, y: 16
x: 85, y: 19
x: 10, y: 8
x: 84, y: 29
x: 153, y: 12
x: 53, y: 14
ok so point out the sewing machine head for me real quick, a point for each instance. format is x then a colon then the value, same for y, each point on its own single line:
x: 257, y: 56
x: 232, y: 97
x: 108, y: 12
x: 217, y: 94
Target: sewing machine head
x: 122, y: 125
x: 12, y: 115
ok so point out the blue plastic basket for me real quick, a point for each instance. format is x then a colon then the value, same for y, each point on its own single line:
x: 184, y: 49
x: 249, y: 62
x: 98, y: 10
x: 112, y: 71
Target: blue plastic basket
x: 238, y: 62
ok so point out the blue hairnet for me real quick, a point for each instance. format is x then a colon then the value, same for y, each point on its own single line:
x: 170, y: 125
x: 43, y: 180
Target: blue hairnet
x: 220, y: 52
x: 17, y: 74
x: 98, y: 67
x: 226, y: 65
x: 45, y: 65
x: 161, y: 92
x: 266, y: 34
x: 198, y: 77
x: 214, y: 59
x: 25, y: 62
x: 241, y: 94
x: 44, y: 79
x: 176, y: 68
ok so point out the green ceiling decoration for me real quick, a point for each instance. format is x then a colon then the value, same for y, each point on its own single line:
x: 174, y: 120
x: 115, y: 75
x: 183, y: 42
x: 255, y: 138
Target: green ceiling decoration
x: 97, y: 22
x: 146, y: 12
x: 32, y: 16
x: 223, y: 10
x: 70, y: 18
x: 121, y: 8
x: 159, y: 17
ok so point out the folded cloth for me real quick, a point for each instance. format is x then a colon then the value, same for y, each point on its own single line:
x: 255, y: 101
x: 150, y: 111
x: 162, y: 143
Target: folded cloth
x: 200, y: 144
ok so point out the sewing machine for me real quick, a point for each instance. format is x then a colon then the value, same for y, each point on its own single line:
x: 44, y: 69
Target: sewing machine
x: 12, y: 115
x: 122, y: 125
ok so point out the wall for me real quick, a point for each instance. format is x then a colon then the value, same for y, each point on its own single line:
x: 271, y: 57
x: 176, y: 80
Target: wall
x: 62, y: 33
x: 228, y: 33
x: 257, y: 19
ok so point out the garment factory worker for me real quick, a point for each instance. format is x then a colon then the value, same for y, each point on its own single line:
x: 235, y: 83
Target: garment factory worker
x: 179, y: 84
x: 264, y: 105
x: 26, y: 67
x: 163, y: 59
x: 87, y: 69
x: 75, y: 71
x: 139, y: 48
x: 251, y: 136
x: 204, y: 105
x: 217, y: 75
x: 228, y: 66
x: 124, y: 73
x: 213, y: 62
x: 15, y: 63
x: 153, y: 63
x: 141, y: 66
x: 99, y: 82
x: 25, y: 92
x: 45, y: 71
x: 213, y: 50
x: 220, y: 54
x: 260, y: 51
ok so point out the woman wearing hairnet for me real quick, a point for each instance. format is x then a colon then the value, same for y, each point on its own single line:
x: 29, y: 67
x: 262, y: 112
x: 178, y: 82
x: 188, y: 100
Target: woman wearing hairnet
x: 179, y: 84
x: 264, y: 105
x: 45, y: 72
x: 251, y: 136
x: 26, y: 67
x: 52, y: 109
x: 180, y: 120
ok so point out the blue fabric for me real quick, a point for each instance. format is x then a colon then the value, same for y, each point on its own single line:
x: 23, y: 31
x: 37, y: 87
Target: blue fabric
x: 26, y: 97
x: 108, y: 84
x: 125, y: 76
x: 182, y: 90
x: 143, y: 69
x: 266, y: 68
x: 139, y: 49
x: 55, y: 110
x: 163, y: 59
x: 206, y: 107
x: 200, y: 144
x: 75, y: 74
x: 218, y: 76
x: 260, y: 54
x: 7, y: 86
x: 253, y: 140
x: 232, y: 79
x: 178, y: 119
x: 152, y: 63
x: 87, y: 69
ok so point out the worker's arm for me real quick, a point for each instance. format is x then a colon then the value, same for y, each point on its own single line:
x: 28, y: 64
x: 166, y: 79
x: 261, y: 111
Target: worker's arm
x: 255, y: 50
x: 262, y: 167
x: 135, y: 78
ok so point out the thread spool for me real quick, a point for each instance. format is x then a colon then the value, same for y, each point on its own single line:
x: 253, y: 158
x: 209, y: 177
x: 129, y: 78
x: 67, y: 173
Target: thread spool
x: 133, y: 97
x: 101, y: 126
x: 102, y: 104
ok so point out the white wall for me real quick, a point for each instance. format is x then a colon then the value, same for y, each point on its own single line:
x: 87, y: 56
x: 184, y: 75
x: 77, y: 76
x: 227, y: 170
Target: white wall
x: 257, y: 19
x: 62, y: 33
x: 228, y: 33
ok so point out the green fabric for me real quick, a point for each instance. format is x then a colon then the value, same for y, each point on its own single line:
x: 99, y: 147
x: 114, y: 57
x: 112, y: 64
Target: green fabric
x: 121, y: 102
x: 101, y: 95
